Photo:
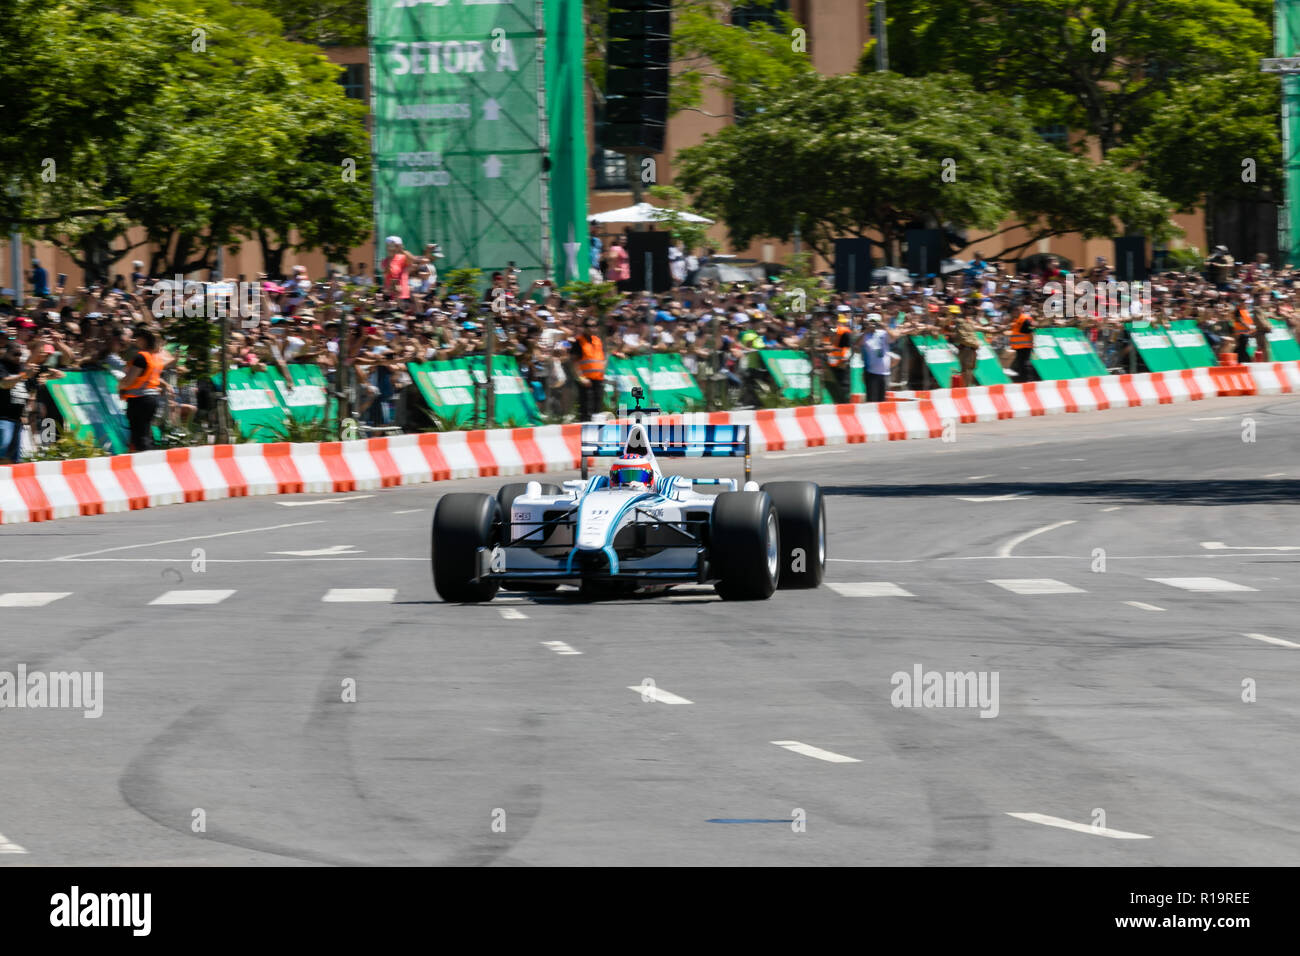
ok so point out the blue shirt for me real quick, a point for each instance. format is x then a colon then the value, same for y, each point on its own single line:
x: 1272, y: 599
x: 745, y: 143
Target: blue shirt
x: 875, y: 352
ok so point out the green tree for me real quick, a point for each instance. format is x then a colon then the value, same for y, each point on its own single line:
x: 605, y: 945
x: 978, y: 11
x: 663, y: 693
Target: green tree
x: 1104, y: 67
x: 849, y: 155
x: 675, y: 205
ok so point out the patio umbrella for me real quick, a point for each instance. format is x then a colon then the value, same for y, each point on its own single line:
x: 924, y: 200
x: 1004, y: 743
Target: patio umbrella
x: 643, y: 212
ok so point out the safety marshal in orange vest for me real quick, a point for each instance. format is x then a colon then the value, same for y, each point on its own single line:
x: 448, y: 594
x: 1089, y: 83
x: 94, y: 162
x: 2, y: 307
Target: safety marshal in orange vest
x: 1021, y: 332
x: 839, y: 357
x: 589, y: 364
x: 141, y: 388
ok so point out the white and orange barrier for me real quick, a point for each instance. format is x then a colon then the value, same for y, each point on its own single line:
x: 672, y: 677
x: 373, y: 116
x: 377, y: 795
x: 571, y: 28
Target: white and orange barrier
x: 42, y: 491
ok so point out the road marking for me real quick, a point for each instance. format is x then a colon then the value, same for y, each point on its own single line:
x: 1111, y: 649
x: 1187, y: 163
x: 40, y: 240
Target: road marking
x: 321, y: 501
x: 192, y: 597
x: 1036, y: 586
x: 31, y: 598
x: 359, y: 595
x: 808, y: 751
x: 560, y: 647
x: 1078, y: 827
x: 995, y: 498
x: 512, y: 614
x: 746, y: 820
x: 197, y: 537
x: 804, y: 454
x: 8, y: 846
x: 320, y: 552
x: 1217, y: 418
x: 1220, y: 546
x: 658, y: 695
x: 1202, y: 584
x: 1006, y: 549
x: 408, y: 511
x: 1112, y: 508
x: 1277, y: 474
x: 1271, y: 640
x: 861, y: 589
x: 977, y: 477
x: 1074, y: 459
x: 1143, y: 606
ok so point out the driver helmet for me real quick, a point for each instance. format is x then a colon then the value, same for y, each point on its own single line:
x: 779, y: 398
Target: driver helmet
x: 631, y: 471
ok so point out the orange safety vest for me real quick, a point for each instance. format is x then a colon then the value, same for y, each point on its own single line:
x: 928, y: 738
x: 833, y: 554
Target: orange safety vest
x: 1243, y: 324
x: 150, y: 379
x: 1021, y: 337
x: 842, y: 353
x: 592, y: 363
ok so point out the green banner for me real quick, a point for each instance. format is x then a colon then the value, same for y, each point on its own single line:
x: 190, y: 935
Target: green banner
x: 308, y: 399
x: 857, y: 374
x: 1154, y: 346
x: 566, y: 110
x: 1191, y: 344
x: 1047, y: 360
x: 621, y: 374
x: 674, y: 389
x: 91, y: 409
x: 458, y: 131
x: 254, y: 405
x: 515, y: 405
x: 448, y: 388
x: 940, y: 357
x: 791, y: 371
x: 1078, y: 352
x: 988, y: 370
x: 1282, y: 346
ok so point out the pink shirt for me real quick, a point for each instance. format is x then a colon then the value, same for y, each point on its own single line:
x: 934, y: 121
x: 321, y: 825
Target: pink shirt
x: 618, y: 267
x: 396, y: 274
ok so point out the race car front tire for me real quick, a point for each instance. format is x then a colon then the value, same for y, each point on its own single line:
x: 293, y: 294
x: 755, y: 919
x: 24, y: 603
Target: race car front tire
x: 463, y: 523
x: 802, y: 516
x: 746, y: 545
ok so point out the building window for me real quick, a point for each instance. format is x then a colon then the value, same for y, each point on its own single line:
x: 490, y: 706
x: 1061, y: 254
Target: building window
x: 742, y: 15
x: 611, y: 169
x: 353, y: 79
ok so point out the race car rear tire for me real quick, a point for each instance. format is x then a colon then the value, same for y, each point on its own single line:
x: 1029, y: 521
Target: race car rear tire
x: 508, y: 493
x: 746, y: 545
x: 505, y: 498
x: 801, y: 514
x: 463, y: 523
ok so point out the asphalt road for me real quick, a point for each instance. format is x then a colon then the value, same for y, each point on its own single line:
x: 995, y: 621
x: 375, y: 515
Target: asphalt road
x: 225, y: 737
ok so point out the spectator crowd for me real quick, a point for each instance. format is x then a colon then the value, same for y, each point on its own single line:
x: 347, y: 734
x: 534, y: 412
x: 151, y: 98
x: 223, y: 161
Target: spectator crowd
x: 364, y: 329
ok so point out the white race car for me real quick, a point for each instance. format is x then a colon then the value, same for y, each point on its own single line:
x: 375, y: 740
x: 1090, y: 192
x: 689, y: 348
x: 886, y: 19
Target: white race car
x: 634, y: 529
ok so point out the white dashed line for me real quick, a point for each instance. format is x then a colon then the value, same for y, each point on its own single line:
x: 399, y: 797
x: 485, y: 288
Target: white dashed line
x: 560, y: 647
x: 1271, y: 640
x: 995, y: 498
x: 1112, y: 508
x: 359, y: 595
x: 1277, y: 474
x: 408, y: 511
x: 512, y: 614
x: 192, y: 597
x: 321, y: 501
x: 1218, y: 418
x: 977, y: 477
x: 1078, y: 827
x: 8, y: 846
x: 31, y: 598
x: 1202, y: 584
x: 803, y: 454
x: 861, y: 589
x: 1036, y: 586
x: 809, y: 751
x: 1144, y: 606
x: 197, y: 537
x: 658, y: 695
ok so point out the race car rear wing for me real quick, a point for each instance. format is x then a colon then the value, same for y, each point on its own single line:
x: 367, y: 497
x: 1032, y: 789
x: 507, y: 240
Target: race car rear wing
x: 665, y: 441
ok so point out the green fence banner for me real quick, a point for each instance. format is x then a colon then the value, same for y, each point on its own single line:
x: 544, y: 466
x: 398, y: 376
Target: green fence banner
x: 1282, y: 346
x: 939, y: 356
x: 791, y: 371
x: 858, y: 373
x: 988, y: 370
x: 448, y: 388
x: 91, y: 409
x: 1078, y: 353
x: 1191, y: 344
x: 1154, y: 346
x: 674, y: 389
x: 515, y: 405
x: 254, y: 405
x: 1047, y: 360
x: 621, y: 374
x: 307, y: 400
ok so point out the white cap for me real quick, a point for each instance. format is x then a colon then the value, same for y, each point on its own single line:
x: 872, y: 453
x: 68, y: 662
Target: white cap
x: 395, y: 240
x: 873, y: 316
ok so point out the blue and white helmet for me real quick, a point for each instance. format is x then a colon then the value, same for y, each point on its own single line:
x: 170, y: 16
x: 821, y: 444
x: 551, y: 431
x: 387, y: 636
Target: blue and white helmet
x: 629, y: 470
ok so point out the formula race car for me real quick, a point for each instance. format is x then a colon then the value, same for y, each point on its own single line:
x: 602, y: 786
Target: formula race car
x: 635, y: 529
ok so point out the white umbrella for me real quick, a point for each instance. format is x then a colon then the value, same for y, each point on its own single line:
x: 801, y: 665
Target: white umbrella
x: 643, y: 212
